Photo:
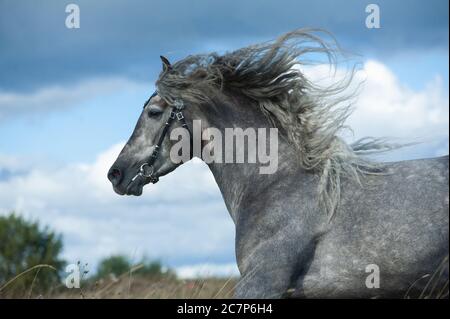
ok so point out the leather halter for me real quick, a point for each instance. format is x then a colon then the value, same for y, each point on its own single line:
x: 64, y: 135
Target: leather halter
x: 147, y: 170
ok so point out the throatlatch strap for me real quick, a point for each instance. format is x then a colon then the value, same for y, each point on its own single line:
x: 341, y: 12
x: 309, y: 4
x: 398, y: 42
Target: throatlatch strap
x: 155, y: 152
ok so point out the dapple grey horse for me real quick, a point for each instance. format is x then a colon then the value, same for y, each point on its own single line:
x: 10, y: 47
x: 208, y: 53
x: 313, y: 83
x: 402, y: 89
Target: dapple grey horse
x: 328, y: 223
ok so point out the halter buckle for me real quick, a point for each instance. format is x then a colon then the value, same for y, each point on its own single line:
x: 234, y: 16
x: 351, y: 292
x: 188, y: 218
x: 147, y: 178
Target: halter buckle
x: 180, y: 116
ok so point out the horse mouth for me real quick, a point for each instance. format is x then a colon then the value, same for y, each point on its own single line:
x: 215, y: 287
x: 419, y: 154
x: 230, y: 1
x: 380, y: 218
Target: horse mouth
x: 134, y: 189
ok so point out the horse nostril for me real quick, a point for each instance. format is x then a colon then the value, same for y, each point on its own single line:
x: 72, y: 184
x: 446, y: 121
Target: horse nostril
x: 115, y: 176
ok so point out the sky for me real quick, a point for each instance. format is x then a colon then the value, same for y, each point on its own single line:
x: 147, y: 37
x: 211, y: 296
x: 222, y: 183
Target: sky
x: 69, y: 100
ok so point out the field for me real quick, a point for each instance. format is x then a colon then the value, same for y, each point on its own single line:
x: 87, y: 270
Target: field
x: 165, y: 285
x: 147, y: 288
x: 129, y: 286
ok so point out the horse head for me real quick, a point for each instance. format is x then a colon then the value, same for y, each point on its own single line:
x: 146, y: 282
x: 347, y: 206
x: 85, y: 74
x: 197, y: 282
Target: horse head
x: 146, y: 155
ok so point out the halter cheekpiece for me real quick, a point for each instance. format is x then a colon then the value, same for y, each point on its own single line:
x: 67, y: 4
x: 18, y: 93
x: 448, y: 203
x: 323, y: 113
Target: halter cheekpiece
x: 147, y: 170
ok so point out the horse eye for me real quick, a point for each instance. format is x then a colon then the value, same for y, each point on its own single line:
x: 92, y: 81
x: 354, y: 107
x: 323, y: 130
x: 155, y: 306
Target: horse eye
x: 154, y: 112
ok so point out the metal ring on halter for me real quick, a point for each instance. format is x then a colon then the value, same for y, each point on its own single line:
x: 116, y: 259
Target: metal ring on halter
x: 142, y: 170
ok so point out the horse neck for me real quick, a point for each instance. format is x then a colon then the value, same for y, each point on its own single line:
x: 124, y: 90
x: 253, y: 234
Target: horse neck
x: 238, y: 182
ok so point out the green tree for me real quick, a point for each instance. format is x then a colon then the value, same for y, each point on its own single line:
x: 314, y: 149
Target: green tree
x: 154, y: 268
x: 113, y: 265
x: 24, y: 245
x: 119, y: 264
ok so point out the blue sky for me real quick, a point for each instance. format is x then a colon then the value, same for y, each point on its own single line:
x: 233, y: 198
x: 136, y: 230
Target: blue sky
x: 69, y: 97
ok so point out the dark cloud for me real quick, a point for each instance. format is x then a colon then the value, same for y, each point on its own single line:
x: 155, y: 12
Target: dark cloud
x: 126, y: 37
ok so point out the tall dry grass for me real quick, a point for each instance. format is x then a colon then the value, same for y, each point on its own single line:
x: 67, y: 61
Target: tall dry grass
x: 127, y: 285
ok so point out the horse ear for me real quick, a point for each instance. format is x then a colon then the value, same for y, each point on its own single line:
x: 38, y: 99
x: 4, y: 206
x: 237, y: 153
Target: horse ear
x: 166, y: 64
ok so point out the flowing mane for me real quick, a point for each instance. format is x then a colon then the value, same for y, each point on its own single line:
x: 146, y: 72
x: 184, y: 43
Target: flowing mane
x: 308, y: 115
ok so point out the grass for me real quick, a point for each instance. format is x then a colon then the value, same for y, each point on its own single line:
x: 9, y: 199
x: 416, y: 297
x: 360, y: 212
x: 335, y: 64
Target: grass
x: 140, y: 287
x: 127, y: 285
x: 436, y: 284
x: 167, y: 286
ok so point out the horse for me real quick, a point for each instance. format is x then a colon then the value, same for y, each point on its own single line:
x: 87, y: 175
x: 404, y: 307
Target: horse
x: 330, y: 222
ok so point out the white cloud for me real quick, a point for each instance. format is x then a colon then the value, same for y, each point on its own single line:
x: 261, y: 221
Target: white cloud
x: 57, y: 98
x: 181, y: 218
x: 389, y: 108
x: 207, y: 270
x: 386, y: 107
x: 11, y: 163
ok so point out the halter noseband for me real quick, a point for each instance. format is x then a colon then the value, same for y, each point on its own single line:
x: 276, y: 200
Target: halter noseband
x: 147, y: 170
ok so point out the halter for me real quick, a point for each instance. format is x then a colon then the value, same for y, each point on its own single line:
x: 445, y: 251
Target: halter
x: 147, y: 170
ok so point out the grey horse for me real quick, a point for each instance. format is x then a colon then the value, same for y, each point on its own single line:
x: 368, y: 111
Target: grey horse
x: 328, y: 223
